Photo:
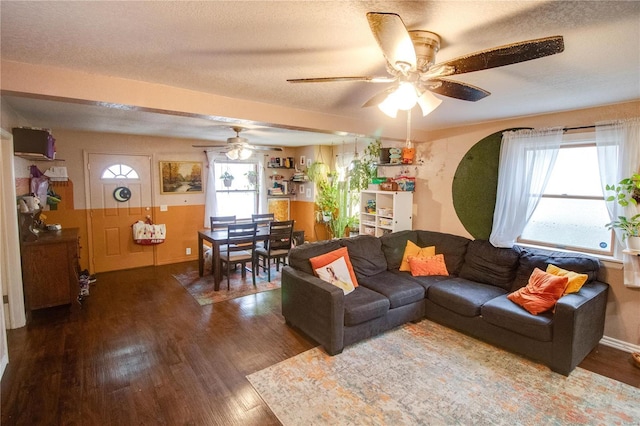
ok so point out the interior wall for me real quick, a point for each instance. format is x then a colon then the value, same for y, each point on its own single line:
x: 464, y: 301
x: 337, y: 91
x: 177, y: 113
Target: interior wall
x: 434, y: 203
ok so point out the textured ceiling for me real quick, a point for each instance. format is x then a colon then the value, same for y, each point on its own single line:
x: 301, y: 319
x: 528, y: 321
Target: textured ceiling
x: 247, y: 50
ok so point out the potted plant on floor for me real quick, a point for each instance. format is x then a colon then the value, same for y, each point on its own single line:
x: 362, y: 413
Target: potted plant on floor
x: 227, y: 179
x: 627, y: 193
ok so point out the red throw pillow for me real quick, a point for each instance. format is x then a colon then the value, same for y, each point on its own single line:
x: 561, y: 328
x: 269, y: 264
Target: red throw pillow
x: 430, y: 265
x: 325, y: 259
x: 541, y: 293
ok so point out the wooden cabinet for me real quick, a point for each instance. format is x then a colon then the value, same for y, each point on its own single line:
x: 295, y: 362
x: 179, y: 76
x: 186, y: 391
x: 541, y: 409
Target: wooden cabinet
x: 382, y: 212
x: 50, y: 269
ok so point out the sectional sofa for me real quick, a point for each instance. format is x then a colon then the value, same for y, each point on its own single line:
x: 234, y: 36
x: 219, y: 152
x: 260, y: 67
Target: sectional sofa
x: 471, y: 299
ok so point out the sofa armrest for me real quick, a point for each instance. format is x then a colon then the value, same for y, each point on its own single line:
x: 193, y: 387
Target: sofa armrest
x: 578, y: 325
x: 315, y: 307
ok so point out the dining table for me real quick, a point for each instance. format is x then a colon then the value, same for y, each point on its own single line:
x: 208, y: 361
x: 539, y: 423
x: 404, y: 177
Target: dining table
x: 218, y: 238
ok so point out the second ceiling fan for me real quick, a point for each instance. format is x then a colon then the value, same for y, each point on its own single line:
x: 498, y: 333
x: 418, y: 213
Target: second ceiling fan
x: 410, y: 59
x: 238, y: 147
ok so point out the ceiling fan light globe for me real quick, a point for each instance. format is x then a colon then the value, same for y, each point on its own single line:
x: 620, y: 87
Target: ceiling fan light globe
x: 232, y: 154
x: 244, y: 153
x: 388, y: 106
x: 405, y: 96
x: 428, y: 102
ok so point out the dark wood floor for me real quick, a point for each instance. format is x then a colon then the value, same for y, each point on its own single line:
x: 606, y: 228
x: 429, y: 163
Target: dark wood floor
x: 142, y: 351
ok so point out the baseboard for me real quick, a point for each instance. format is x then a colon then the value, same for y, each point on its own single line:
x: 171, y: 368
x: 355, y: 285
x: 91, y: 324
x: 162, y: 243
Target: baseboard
x: 619, y: 344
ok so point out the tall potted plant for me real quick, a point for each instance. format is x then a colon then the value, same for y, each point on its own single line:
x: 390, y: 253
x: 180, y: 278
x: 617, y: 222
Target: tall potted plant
x: 627, y: 193
x: 362, y: 171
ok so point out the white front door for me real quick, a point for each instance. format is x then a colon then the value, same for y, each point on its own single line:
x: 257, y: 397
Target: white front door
x: 112, y: 213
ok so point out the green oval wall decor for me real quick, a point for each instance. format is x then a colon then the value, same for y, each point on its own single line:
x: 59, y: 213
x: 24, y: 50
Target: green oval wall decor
x: 474, y: 185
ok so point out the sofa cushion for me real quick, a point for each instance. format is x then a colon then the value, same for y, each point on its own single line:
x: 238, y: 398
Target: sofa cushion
x: 426, y: 266
x: 487, y: 264
x: 531, y: 258
x: 425, y: 282
x: 453, y: 247
x: 414, y: 250
x: 299, y: 256
x: 462, y: 296
x: 576, y: 281
x: 363, y: 305
x: 337, y: 273
x: 503, y: 313
x: 541, y: 293
x: 399, y: 290
x: 327, y: 258
x: 393, y: 245
x: 366, y: 255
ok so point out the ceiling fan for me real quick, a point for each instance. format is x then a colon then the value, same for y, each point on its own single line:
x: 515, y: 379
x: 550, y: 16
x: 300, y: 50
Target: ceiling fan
x: 410, y: 58
x: 238, y: 148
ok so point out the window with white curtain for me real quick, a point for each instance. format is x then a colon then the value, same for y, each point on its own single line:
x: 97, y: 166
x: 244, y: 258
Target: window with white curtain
x: 572, y: 211
x: 241, y: 198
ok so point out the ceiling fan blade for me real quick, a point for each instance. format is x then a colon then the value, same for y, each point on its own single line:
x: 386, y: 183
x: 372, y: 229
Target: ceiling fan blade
x: 458, y: 90
x: 331, y: 79
x: 394, y: 40
x: 264, y: 148
x: 503, y: 55
x: 210, y: 145
x: 379, y: 97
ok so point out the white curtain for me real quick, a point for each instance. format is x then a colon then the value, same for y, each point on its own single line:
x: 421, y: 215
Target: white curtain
x: 619, y: 157
x: 210, y: 204
x: 262, y: 186
x: 526, y: 161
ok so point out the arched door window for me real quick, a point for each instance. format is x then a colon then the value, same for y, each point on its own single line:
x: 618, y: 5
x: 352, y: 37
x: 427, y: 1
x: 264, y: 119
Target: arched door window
x: 119, y: 171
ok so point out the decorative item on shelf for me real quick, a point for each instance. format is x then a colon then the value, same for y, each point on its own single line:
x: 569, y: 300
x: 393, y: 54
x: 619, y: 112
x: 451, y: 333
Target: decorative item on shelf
x: 406, y: 183
x: 227, y: 179
x: 408, y: 154
x: 389, y: 186
x: 395, y: 156
x: 371, y: 206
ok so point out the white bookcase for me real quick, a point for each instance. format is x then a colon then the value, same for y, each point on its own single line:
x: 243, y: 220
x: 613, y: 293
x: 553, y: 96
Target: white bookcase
x: 393, y: 212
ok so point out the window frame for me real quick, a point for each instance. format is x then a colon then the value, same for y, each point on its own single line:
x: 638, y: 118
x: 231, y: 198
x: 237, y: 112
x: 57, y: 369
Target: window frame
x: 575, y: 140
x: 255, y: 190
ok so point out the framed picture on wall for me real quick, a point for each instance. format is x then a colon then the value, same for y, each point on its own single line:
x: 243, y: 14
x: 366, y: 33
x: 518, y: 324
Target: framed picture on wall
x: 179, y: 177
x: 303, y: 160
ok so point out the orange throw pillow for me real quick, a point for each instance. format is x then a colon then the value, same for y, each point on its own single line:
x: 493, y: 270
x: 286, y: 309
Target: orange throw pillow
x: 576, y: 280
x: 411, y: 249
x: 325, y: 259
x: 541, y: 293
x: 425, y: 266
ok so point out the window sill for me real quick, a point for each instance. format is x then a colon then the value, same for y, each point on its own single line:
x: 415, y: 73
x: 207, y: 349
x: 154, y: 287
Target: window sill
x: 608, y: 261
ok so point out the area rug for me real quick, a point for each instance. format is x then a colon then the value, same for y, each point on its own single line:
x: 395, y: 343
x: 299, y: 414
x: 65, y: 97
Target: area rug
x: 201, y: 288
x: 428, y: 374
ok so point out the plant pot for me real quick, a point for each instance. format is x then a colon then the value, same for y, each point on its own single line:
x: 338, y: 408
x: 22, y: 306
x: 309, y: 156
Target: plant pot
x: 633, y: 243
x: 326, y: 217
x: 227, y: 182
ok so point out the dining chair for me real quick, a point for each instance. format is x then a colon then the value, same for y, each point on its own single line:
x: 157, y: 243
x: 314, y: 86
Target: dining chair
x: 240, y: 249
x: 221, y: 222
x: 277, y: 246
x: 263, y: 219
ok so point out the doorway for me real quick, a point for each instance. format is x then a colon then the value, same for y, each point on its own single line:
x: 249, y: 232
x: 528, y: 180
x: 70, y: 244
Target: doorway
x: 120, y: 194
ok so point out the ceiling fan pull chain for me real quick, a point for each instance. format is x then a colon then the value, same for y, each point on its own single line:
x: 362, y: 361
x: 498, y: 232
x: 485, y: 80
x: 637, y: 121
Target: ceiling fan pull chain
x: 408, y: 143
